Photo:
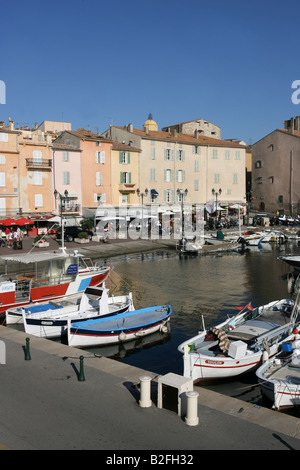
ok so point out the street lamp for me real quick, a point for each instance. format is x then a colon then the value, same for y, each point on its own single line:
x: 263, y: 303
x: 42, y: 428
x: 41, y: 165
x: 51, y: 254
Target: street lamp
x: 61, y: 199
x: 181, y: 193
x: 142, y: 195
x: 215, y: 193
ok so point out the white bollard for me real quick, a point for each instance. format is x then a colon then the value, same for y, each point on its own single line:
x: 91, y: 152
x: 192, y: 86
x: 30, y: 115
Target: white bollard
x: 145, y: 397
x: 191, y: 418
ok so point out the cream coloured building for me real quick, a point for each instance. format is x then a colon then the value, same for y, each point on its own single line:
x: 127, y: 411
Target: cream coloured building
x: 171, y: 161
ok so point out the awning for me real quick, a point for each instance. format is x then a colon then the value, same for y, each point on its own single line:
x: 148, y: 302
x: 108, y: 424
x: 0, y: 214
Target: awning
x: 8, y: 222
x: 23, y: 221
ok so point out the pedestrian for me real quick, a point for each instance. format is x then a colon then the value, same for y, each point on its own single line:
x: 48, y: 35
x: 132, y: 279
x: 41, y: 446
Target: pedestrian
x: 10, y: 239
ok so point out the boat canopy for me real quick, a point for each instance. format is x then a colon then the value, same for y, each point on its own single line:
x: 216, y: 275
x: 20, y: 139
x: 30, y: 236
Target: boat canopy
x: 34, y: 257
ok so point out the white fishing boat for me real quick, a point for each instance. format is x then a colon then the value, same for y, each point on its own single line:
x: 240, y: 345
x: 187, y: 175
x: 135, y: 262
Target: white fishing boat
x: 50, y: 319
x: 238, y: 344
x: 186, y: 245
x: 279, y: 377
x: 39, y: 276
x: 118, y: 328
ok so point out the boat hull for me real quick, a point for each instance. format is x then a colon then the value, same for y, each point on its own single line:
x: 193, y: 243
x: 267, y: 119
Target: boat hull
x: 41, y: 294
x: 146, y: 322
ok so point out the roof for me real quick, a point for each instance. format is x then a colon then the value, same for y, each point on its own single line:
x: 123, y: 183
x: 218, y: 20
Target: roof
x: 37, y: 257
x: 193, y: 120
x: 88, y: 135
x: 121, y: 146
x: 59, y: 146
x: 183, y: 138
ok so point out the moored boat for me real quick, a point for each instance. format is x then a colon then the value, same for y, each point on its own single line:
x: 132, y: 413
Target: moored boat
x: 279, y: 377
x: 238, y: 344
x: 118, y: 328
x: 39, y: 276
x: 50, y: 319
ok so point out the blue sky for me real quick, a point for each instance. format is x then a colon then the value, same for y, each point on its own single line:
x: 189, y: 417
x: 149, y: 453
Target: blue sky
x: 95, y: 62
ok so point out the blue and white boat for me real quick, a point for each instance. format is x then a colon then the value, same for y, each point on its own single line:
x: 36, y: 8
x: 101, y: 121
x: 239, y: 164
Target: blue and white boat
x: 119, y: 328
x: 50, y: 319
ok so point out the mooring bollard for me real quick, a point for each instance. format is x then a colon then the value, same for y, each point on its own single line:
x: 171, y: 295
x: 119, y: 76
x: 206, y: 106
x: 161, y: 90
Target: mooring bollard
x: 27, y: 350
x: 145, y: 400
x: 191, y: 418
x: 81, y: 377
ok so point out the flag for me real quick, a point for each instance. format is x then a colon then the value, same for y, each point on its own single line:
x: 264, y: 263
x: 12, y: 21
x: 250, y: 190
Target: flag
x: 210, y: 206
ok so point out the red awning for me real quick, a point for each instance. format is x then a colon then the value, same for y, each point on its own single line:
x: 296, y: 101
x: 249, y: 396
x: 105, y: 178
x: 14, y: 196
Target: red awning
x: 8, y: 222
x: 23, y: 221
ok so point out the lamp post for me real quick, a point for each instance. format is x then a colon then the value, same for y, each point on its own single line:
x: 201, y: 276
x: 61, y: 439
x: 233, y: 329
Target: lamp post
x: 215, y: 193
x: 61, y: 199
x: 182, y: 193
x: 142, y: 195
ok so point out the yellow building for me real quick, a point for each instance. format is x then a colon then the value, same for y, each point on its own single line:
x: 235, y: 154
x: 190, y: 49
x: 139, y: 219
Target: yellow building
x: 124, y: 174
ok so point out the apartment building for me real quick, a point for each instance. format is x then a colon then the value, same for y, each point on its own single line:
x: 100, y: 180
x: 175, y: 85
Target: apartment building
x: 124, y: 174
x: 171, y: 162
x: 276, y: 170
x: 95, y: 168
x: 10, y: 196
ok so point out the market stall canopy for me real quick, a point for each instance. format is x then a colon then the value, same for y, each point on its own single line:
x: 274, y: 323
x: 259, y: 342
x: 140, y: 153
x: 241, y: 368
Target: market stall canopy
x: 236, y: 206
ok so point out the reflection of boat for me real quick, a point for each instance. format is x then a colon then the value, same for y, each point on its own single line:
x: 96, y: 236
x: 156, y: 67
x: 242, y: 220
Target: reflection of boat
x: 121, y: 350
x: 279, y: 377
x: 39, y: 276
x: 118, y: 328
x: 50, y: 319
x: 237, y: 345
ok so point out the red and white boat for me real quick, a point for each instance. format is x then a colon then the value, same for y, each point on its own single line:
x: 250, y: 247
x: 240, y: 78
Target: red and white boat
x: 240, y: 343
x: 39, y: 276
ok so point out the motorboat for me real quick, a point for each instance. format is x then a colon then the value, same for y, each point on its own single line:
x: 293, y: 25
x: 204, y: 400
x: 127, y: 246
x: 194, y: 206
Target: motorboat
x: 39, y: 276
x: 238, y: 344
x: 50, y: 319
x: 279, y: 377
x: 291, y: 260
x: 119, y: 328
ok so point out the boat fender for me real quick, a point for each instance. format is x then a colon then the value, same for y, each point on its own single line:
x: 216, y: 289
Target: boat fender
x: 223, y: 339
x: 122, y: 336
x: 265, y: 356
x: 164, y: 329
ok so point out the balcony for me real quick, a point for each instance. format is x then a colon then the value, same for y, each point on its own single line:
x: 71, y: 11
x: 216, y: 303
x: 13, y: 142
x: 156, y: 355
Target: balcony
x: 43, y: 164
x: 70, y: 208
x: 127, y: 187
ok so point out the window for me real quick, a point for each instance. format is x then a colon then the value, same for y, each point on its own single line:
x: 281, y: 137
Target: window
x: 168, y: 195
x: 2, y: 180
x: 98, y: 143
x: 168, y: 175
x: 197, y: 149
x: 180, y: 155
x: 258, y: 164
x: 3, y: 137
x: 65, y: 156
x: 37, y: 178
x: 215, y: 153
x: 196, y: 185
x: 2, y: 206
x: 237, y: 155
x: 235, y: 178
x: 100, y: 156
x: 169, y: 154
x: 217, y: 178
x: 180, y: 176
x: 2, y: 159
x: 125, y: 177
x: 66, y: 177
x: 98, y: 178
x: 271, y: 179
x: 38, y: 200
x: 196, y: 165
x: 152, y: 153
x: 227, y: 154
x: 37, y: 156
x: 152, y: 174
x: 124, y: 158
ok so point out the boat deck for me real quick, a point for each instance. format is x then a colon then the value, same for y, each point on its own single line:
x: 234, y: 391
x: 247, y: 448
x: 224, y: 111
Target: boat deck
x: 287, y: 372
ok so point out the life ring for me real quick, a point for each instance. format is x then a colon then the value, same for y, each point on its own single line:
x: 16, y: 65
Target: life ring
x: 223, y: 339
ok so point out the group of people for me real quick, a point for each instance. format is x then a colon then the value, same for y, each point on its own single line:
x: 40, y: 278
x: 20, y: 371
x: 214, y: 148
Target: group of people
x: 12, y: 238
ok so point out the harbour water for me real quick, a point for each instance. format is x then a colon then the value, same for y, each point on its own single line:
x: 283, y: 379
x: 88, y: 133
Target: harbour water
x: 210, y: 286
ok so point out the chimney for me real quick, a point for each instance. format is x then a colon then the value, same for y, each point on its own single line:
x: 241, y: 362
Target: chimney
x: 146, y: 129
x: 11, y: 125
x: 174, y: 132
x: 130, y: 127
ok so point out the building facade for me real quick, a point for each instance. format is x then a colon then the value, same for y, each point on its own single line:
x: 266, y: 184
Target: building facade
x: 276, y: 171
x: 171, y: 162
